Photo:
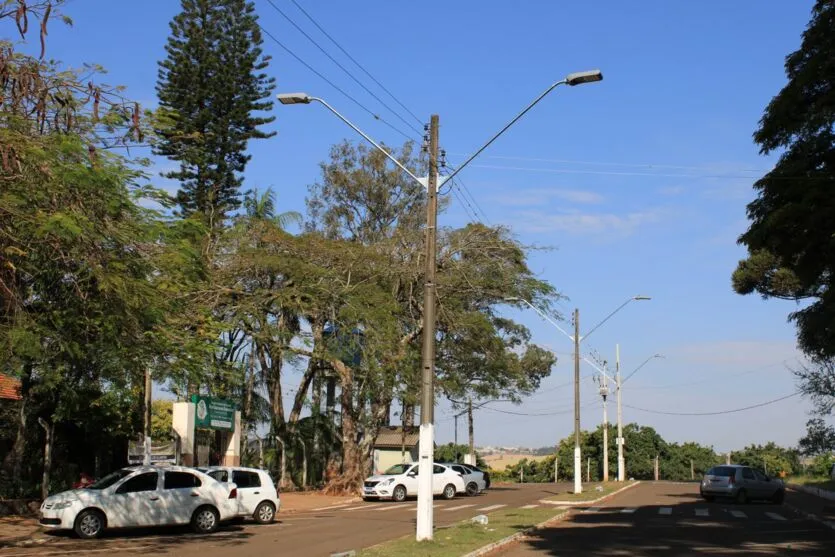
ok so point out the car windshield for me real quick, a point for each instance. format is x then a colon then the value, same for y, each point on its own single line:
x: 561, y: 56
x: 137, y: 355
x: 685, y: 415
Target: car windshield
x: 110, y: 479
x: 397, y: 469
x: 724, y: 471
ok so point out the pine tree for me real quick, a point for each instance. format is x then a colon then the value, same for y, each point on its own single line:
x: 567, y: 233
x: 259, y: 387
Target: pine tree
x: 210, y: 85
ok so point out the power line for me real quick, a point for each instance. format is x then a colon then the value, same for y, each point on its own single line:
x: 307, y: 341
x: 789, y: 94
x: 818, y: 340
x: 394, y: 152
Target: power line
x: 714, y: 413
x: 557, y: 413
x: 343, y: 68
x: 712, y: 379
x: 653, y: 174
x: 360, y: 66
x: 331, y: 83
x: 466, y: 191
x: 616, y: 164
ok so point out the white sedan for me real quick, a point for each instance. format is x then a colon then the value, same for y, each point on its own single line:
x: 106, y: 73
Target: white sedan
x: 142, y: 496
x: 401, y: 480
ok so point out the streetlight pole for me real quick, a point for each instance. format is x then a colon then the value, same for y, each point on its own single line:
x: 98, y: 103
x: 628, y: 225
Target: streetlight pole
x: 578, y: 474
x: 424, y: 527
x: 604, y: 393
x: 621, y: 464
x: 576, y: 338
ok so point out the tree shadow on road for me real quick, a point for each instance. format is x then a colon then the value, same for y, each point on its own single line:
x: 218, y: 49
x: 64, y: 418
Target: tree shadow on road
x: 682, y: 533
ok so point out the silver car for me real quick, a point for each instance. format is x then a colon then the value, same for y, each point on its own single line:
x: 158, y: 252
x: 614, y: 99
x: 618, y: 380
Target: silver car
x: 741, y: 483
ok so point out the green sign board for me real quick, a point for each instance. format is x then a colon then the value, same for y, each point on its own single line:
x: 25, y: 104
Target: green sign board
x: 213, y: 413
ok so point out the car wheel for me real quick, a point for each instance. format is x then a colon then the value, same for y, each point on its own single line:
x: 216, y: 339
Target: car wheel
x: 449, y: 491
x: 399, y: 494
x: 472, y: 489
x: 205, y: 520
x: 89, y: 524
x: 741, y: 497
x: 264, y: 513
x: 778, y: 497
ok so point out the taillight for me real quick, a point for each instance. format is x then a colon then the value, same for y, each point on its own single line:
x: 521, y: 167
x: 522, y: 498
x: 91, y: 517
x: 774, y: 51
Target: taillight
x: 234, y: 493
x: 731, y: 480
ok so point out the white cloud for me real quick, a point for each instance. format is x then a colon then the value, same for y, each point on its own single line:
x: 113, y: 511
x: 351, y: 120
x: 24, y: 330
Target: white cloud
x: 534, y: 197
x: 580, y: 223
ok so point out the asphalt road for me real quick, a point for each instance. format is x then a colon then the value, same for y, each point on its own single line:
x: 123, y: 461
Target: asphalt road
x: 671, y: 519
x: 319, y: 532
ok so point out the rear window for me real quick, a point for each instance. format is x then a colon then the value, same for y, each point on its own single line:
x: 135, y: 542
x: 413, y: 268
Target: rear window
x: 724, y: 471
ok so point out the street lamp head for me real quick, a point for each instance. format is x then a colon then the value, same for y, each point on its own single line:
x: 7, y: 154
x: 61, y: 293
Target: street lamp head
x: 293, y: 98
x: 578, y: 78
x: 641, y: 298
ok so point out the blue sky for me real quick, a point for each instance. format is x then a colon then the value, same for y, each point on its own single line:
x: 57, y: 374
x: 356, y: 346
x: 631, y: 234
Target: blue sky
x: 639, y: 183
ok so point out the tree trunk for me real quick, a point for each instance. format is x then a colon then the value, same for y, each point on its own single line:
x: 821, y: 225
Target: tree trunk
x: 313, y: 364
x: 408, y: 417
x: 316, y: 413
x: 472, y: 436
x: 20, y: 440
x: 273, y: 380
x: 49, y: 429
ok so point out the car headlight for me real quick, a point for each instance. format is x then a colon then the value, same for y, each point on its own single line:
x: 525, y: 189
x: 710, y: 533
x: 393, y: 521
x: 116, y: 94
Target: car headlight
x: 61, y: 505
x: 387, y: 482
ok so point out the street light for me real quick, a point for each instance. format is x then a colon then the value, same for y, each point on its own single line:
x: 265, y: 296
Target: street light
x: 424, y: 529
x: 577, y: 338
x: 619, y: 383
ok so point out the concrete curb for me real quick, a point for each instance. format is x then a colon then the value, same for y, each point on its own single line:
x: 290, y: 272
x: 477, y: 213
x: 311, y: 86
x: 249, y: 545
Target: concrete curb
x: 580, y: 503
x: 514, y: 537
x: 816, y: 491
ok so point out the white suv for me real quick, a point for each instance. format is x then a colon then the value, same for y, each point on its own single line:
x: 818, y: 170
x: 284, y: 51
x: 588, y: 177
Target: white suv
x: 257, y: 495
x: 401, y: 481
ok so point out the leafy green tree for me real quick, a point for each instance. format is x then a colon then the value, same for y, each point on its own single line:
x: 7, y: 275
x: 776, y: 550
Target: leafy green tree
x: 770, y: 458
x: 791, y: 252
x: 819, y: 438
x: 210, y: 86
x: 455, y: 453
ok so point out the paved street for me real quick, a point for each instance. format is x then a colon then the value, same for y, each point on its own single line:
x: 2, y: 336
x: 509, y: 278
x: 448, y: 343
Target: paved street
x: 316, y: 532
x: 671, y: 520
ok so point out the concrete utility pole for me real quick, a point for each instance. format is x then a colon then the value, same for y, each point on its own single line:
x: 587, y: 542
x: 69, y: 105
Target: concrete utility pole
x: 621, y: 463
x: 578, y: 478
x: 472, y: 436
x: 425, y: 515
x: 604, y: 392
x: 656, y: 468
x: 146, y: 460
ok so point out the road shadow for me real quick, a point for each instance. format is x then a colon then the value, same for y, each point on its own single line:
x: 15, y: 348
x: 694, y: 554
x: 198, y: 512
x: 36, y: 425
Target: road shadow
x: 683, y: 533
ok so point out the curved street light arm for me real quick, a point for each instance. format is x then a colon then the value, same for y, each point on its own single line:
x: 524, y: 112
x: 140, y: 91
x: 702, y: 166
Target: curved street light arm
x: 645, y: 362
x: 423, y: 182
x: 620, y: 307
x: 501, y: 131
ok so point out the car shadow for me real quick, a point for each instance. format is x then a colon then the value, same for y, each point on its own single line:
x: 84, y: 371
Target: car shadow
x: 163, y: 534
x: 608, y: 531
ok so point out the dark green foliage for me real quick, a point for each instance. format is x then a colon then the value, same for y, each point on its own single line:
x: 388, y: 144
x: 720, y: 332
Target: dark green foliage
x: 791, y: 238
x: 209, y: 86
x: 455, y: 453
x: 819, y: 438
x: 770, y: 458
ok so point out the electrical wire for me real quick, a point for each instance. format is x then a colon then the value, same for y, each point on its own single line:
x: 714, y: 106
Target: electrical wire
x: 360, y: 66
x: 720, y: 413
x: 713, y: 379
x: 616, y: 164
x: 343, y: 68
x: 655, y: 174
x: 466, y: 191
x: 331, y: 83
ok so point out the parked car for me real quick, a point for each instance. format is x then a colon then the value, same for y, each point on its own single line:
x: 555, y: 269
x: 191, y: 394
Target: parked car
x: 142, y: 496
x: 257, y: 495
x: 401, y: 481
x: 741, y: 483
x: 832, y: 472
x: 473, y: 481
x: 484, y: 473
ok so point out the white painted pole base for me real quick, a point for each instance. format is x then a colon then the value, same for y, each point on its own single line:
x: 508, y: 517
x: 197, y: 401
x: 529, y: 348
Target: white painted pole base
x: 578, y: 472
x: 425, y: 517
x: 621, y: 461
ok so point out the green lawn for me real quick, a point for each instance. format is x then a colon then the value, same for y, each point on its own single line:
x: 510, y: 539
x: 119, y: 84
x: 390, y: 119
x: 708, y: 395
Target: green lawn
x: 821, y: 483
x: 590, y: 492
x: 463, y: 538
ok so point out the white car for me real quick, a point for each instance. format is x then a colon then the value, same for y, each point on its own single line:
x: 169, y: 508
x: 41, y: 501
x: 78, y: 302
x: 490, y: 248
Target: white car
x: 142, y: 496
x: 257, y: 495
x: 401, y: 481
x: 473, y: 479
